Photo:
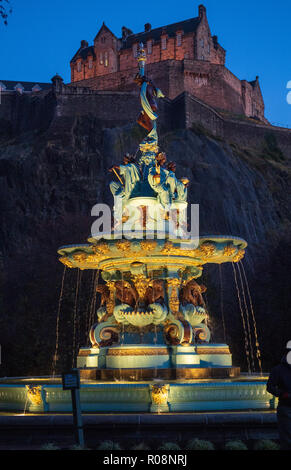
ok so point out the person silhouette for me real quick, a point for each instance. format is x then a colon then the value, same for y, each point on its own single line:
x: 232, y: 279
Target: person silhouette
x: 279, y: 385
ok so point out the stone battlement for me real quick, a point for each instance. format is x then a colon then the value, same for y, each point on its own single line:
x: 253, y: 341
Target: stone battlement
x: 117, y: 108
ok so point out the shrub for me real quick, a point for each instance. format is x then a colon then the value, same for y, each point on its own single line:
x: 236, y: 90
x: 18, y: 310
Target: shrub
x: 140, y: 446
x: 197, y: 444
x: 169, y: 446
x: 266, y: 444
x: 109, y: 445
x: 235, y: 445
x: 50, y: 446
x: 78, y: 447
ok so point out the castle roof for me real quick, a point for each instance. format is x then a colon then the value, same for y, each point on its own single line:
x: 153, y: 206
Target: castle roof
x: 83, y: 53
x: 11, y: 85
x: 188, y: 26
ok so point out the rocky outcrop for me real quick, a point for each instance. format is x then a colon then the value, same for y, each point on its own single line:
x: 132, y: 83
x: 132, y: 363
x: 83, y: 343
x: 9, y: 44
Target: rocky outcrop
x: 50, y: 179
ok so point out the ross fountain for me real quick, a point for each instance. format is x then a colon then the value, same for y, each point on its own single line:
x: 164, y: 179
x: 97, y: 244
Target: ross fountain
x: 151, y: 347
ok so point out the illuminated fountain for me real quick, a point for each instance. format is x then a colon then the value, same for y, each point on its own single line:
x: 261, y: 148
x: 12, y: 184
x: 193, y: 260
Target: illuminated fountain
x: 151, y: 346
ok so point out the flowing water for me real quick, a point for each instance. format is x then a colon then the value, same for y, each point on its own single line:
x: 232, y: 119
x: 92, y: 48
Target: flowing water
x: 55, y: 357
x: 258, y: 352
x: 88, y: 310
x: 243, y: 320
x: 221, y: 303
x: 247, y: 319
x: 75, y: 312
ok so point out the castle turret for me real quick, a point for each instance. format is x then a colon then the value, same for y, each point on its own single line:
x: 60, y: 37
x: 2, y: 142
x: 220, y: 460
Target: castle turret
x: 202, y: 11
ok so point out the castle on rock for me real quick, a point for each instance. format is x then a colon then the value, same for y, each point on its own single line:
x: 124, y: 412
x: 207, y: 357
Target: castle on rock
x: 181, y: 57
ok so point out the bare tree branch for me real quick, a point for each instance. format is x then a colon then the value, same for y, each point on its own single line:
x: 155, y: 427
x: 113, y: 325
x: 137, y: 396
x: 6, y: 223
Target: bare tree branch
x: 4, y: 11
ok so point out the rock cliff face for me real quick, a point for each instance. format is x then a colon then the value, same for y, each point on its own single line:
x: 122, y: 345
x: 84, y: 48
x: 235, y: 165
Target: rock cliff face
x: 49, y: 181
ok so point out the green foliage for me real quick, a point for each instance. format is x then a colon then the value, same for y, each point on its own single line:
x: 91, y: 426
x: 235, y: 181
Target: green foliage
x: 198, y: 444
x: 50, y: 446
x: 271, y: 149
x: 235, y: 445
x: 109, y: 445
x: 140, y: 446
x: 169, y: 446
x: 200, y: 130
x: 266, y: 444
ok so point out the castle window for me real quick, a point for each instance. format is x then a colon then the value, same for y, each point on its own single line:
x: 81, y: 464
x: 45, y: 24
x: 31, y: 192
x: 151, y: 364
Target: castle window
x: 103, y: 40
x: 90, y: 63
x: 35, y: 88
x: 202, y: 58
x: 202, y: 43
x: 19, y: 88
x: 79, y: 66
x: 101, y: 59
x: 179, y: 39
x: 149, y: 47
x: 106, y: 59
x: 164, y: 42
x: 134, y: 50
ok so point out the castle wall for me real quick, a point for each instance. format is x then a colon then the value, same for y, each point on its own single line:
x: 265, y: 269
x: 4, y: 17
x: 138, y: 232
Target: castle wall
x: 26, y: 112
x: 214, y: 84
x: 115, y: 108
x: 244, y: 133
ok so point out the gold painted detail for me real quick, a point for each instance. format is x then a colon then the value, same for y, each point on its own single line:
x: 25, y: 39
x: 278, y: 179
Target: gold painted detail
x: 208, y: 249
x: 160, y: 394
x: 110, y: 304
x: 138, y: 352
x: 84, y: 353
x: 65, y: 260
x: 80, y: 256
x: 239, y: 256
x: 124, y: 246
x: 174, y: 303
x: 148, y: 245
x: 34, y: 394
x: 141, y: 284
x: 212, y: 350
x: 170, y: 249
x: 101, y: 248
x: 229, y: 250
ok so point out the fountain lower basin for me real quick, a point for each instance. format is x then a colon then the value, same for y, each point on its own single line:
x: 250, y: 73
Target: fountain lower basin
x: 45, y: 394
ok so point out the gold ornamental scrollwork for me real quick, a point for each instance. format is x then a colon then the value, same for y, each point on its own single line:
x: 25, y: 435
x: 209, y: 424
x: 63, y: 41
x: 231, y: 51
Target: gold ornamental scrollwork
x: 229, y: 250
x: 208, y: 249
x: 141, y: 283
x: 110, y: 303
x: 239, y: 256
x: 80, y: 257
x: 170, y: 249
x: 148, y: 245
x: 160, y: 394
x: 65, y: 260
x: 124, y: 246
x: 34, y: 394
x: 174, y: 303
x: 101, y: 248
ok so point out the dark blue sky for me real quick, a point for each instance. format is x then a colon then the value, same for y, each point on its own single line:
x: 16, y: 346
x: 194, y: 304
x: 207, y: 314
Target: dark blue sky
x: 42, y: 37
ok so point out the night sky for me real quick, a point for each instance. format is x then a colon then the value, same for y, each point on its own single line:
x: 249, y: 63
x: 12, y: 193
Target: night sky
x: 42, y: 36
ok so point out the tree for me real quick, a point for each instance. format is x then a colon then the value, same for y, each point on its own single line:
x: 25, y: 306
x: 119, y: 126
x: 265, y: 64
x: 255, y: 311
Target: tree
x: 4, y: 10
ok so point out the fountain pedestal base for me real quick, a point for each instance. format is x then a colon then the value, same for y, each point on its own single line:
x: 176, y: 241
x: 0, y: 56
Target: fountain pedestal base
x: 146, y: 362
